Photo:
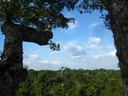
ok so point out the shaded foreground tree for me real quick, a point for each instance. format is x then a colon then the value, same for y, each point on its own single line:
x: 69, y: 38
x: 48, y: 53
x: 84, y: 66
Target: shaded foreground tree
x: 30, y: 21
x: 117, y: 21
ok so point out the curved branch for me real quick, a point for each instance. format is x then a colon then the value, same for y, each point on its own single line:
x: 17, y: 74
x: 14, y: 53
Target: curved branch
x: 29, y: 34
x: 32, y: 35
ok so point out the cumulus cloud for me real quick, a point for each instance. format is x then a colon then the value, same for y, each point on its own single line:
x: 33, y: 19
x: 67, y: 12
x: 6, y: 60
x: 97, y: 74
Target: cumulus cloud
x: 94, y: 43
x: 95, y: 47
x: 109, y: 54
x: 106, y: 61
x: 94, y: 24
x: 102, y: 60
x: 34, y: 62
x: 112, y: 53
x: 55, y: 62
x: 49, y: 62
x: 33, y: 57
x: 91, y: 62
x: 75, y: 57
x: 44, y: 62
x: 75, y: 49
x: 95, y: 40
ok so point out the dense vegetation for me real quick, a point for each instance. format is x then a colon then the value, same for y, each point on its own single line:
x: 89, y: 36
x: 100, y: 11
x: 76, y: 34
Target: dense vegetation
x: 67, y: 82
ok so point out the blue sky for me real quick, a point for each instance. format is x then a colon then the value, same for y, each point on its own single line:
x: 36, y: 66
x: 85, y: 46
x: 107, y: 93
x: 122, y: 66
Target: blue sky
x: 86, y: 44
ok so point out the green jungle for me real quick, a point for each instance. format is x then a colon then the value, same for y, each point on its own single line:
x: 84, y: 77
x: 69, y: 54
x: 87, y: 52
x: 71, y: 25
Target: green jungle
x: 69, y: 82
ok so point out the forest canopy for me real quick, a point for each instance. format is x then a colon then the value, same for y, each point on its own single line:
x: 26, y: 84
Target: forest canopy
x: 67, y: 82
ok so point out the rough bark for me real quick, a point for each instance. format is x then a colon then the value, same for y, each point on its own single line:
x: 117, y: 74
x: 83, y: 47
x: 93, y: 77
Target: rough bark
x: 118, y: 12
x: 30, y: 34
x: 11, y: 66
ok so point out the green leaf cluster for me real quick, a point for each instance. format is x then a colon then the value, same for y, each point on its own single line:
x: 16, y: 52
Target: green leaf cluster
x: 36, y: 13
x: 67, y: 82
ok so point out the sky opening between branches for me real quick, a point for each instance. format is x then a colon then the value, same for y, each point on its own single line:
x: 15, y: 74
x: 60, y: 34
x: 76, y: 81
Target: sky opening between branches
x: 86, y: 44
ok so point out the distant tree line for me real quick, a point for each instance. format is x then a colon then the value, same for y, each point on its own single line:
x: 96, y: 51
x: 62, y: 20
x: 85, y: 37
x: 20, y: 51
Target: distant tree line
x: 67, y: 82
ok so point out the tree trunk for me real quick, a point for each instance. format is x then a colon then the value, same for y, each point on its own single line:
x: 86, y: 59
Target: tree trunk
x: 118, y: 12
x: 11, y: 66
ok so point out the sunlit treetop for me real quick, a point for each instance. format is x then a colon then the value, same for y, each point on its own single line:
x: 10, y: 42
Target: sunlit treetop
x: 37, y: 13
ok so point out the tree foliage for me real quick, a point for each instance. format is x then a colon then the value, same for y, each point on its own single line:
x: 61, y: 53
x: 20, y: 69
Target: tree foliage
x: 67, y: 82
x: 37, y: 13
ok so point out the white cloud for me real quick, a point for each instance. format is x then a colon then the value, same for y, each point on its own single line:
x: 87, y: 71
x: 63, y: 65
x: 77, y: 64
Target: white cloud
x: 105, y: 60
x: 90, y: 62
x: 94, y: 24
x: 94, y: 43
x: 109, y: 54
x: 112, y: 53
x: 75, y: 49
x: 33, y: 57
x: 44, y: 62
x: 77, y: 56
x: 101, y: 56
x: 55, y: 62
x: 95, y: 40
x: 72, y: 26
x: 50, y: 62
x: 95, y: 47
x: 37, y: 63
x: 74, y: 57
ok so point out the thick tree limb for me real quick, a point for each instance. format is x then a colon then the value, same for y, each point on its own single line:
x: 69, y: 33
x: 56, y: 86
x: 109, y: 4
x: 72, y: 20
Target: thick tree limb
x: 32, y: 35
